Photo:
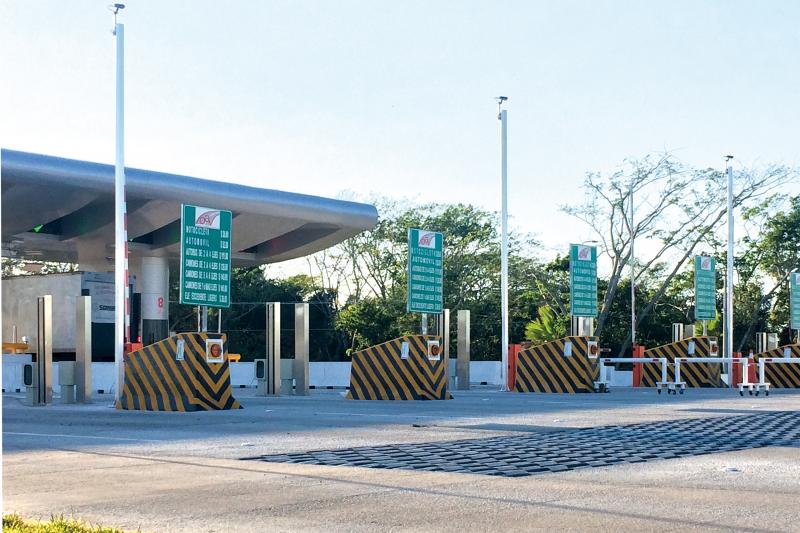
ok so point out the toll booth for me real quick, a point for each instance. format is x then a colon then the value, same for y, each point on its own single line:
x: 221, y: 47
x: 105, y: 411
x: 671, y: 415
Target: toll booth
x: 566, y: 365
x: 695, y: 374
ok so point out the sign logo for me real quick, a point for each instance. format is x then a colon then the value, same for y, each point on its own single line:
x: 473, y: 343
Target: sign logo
x: 705, y: 263
x: 434, y: 351
x: 207, y: 218
x: 214, y: 351
x: 584, y: 253
x: 427, y: 239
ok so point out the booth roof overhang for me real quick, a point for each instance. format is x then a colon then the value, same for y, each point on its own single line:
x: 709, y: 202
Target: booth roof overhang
x: 56, y: 209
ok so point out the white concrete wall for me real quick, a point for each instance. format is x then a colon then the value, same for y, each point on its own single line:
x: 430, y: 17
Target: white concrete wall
x: 320, y: 374
x: 19, y: 307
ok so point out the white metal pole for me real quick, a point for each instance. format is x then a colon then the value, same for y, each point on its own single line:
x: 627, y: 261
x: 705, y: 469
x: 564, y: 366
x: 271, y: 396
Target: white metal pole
x: 729, y: 276
x: 633, y: 280
x: 120, y: 238
x: 504, y: 249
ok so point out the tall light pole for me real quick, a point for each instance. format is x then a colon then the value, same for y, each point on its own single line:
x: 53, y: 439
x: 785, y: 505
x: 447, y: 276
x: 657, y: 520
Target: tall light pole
x: 502, y: 116
x: 121, y: 298
x: 633, y: 279
x: 729, y: 273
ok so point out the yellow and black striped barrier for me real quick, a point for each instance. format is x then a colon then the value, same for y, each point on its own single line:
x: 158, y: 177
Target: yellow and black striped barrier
x: 407, y: 368
x: 786, y: 376
x: 164, y: 377
x: 561, y: 365
x: 694, y: 374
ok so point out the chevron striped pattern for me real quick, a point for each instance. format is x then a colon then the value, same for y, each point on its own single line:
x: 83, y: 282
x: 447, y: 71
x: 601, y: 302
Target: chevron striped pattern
x: 156, y: 381
x: 782, y: 376
x: 544, y: 368
x: 694, y: 374
x: 380, y: 373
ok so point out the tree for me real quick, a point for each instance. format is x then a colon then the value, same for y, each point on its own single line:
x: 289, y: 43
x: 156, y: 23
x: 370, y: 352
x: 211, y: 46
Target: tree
x: 676, y: 209
x: 546, y: 327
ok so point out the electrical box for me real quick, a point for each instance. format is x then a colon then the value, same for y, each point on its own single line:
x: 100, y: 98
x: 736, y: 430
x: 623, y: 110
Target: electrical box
x: 30, y: 378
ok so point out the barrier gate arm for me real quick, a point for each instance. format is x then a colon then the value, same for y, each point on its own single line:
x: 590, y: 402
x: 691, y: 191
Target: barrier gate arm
x: 602, y: 385
x: 762, y: 362
x: 681, y: 385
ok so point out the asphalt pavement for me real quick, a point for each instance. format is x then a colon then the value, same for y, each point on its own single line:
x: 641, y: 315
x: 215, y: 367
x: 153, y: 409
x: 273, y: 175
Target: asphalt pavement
x: 486, y: 460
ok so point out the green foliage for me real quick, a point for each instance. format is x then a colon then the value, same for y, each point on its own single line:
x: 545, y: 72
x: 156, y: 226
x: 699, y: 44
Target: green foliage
x: 57, y: 524
x: 546, y: 326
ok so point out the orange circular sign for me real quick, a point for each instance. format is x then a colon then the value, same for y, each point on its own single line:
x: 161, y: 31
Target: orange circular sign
x: 434, y: 349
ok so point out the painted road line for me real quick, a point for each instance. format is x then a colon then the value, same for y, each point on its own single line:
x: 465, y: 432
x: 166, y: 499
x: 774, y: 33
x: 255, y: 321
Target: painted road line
x: 19, y: 433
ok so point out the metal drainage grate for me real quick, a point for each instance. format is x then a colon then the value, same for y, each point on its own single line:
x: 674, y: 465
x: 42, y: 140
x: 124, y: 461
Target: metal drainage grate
x: 560, y: 451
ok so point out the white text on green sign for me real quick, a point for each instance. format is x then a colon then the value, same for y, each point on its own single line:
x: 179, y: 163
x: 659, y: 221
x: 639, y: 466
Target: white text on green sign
x: 425, y: 271
x: 705, y: 288
x: 583, y: 280
x: 794, y: 300
x: 205, y: 256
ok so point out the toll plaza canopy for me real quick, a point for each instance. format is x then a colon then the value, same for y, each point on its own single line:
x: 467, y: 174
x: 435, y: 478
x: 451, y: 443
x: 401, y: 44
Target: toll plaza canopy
x: 58, y: 209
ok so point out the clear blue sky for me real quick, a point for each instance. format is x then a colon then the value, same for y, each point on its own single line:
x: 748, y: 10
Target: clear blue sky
x: 396, y: 98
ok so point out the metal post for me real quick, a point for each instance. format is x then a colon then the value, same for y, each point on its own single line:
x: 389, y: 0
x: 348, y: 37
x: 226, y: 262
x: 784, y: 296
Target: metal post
x: 219, y: 320
x: 504, y: 246
x: 444, y: 328
x: 204, y: 318
x: 729, y: 275
x: 44, y: 351
x: 83, y: 349
x: 424, y: 327
x: 633, y: 280
x: 705, y: 328
x: 463, y: 355
x: 120, y: 234
x: 300, y: 365
x: 273, y: 348
x: 444, y: 332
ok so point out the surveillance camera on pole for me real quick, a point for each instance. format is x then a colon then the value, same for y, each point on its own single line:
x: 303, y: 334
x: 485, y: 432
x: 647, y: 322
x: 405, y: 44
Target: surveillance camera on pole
x: 729, y: 270
x: 121, y: 290
x: 115, y: 8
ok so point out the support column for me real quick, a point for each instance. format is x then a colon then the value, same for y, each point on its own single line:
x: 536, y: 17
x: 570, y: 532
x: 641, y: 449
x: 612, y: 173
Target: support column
x: 83, y: 349
x: 463, y: 355
x: 155, y: 299
x: 300, y: 369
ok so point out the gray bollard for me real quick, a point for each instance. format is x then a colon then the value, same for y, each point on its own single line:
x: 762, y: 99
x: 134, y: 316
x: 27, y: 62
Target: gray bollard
x: 44, y: 349
x: 300, y: 367
x: 463, y: 355
x: 83, y: 349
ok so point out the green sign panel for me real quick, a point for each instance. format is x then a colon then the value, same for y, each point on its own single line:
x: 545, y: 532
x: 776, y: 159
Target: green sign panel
x: 794, y: 300
x: 425, y: 271
x: 205, y: 256
x: 705, y: 288
x: 583, y: 280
